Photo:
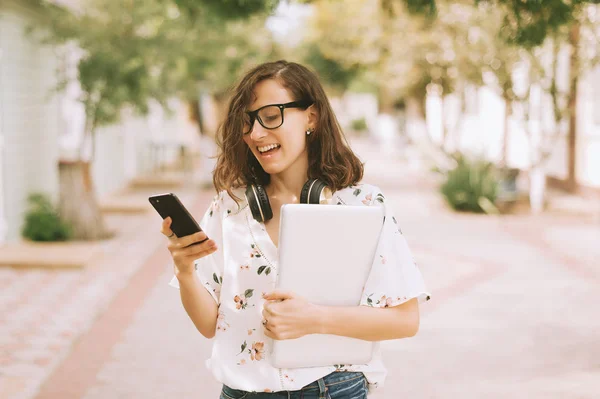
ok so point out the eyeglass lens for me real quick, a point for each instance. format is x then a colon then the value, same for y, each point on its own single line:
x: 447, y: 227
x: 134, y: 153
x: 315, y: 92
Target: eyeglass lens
x: 270, y: 117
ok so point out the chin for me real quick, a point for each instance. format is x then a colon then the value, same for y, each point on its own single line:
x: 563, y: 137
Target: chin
x: 273, y: 169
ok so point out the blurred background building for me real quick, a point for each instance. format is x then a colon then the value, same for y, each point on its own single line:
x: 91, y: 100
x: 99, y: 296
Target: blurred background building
x: 412, y: 85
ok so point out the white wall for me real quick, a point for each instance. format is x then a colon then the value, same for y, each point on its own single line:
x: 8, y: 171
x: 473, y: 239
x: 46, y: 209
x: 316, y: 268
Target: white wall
x: 481, y: 129
x: 30, y: 120
x: 123, y: 151
x: 589, y: 125
x: 37, y: 128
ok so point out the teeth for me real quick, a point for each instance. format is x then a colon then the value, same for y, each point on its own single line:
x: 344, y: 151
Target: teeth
x: 267, y: 147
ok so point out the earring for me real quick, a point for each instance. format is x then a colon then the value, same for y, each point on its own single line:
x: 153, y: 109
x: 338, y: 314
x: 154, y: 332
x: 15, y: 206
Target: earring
x: 309, y: 131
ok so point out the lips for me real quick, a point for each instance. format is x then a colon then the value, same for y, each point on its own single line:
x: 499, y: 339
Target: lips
x: 269, y: 155
x: 268, y: 147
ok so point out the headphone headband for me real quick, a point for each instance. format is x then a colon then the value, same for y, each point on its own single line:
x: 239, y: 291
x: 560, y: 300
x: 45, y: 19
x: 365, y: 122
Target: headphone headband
x: 314, y: 191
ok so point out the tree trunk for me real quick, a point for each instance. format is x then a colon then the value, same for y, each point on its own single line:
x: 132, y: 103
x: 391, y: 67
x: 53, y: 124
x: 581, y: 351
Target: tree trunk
x: 386, y: 100
x: 443, y: 118
x: 78, y: 205
x: 505, y: 138
x: 572, y: 136
x: 195, y: 115
x: 221, y: 101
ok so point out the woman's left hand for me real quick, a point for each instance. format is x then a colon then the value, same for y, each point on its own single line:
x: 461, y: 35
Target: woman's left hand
x: 287, y: 316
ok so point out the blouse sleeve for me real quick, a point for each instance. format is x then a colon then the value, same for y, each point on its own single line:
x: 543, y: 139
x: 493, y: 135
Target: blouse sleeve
x: 209, y: 269
x: 394, y: 277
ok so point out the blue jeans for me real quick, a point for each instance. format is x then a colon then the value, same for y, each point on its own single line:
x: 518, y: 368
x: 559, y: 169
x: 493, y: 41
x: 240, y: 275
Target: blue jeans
x: 337, y: 385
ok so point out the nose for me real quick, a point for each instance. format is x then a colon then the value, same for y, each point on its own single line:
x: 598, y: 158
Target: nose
x: 257, y: 132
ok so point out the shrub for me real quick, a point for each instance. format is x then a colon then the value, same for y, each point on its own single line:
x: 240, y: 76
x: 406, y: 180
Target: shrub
x: 359, y: 125
x: 471, y: 186
x: 42, y: 222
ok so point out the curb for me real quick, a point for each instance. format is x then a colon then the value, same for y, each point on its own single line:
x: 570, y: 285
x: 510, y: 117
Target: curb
x: 64, y: 255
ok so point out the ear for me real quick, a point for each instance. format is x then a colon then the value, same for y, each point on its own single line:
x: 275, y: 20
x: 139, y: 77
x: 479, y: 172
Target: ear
x: 313, y: 117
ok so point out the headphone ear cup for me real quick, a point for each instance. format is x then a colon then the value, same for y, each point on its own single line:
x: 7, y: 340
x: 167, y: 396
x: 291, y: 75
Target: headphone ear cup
x: 253, y: 203
x: 258, y: 201
x: 304, y: 192
x: 264, y: 203
x: 315, y: 193
x: 311, y: 191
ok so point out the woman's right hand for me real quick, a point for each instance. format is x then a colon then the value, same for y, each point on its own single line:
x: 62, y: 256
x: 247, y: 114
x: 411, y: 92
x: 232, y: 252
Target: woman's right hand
x: 185, y: 250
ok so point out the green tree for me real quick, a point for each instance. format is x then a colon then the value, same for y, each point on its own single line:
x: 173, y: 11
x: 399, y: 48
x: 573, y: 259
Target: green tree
x: 531, y: 24
x: 212, y: 54
x: 335, y: 76
x: 526, y: 23
x: 401, y: 53
x: 131, y: 55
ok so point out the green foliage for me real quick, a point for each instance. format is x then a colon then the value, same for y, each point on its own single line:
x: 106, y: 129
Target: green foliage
x: 42, y: 222
x: 359, y: 125
x: 133, y: 54
x: 359, y: 35
x: 426, y: 7
x: 125, y: 53
x: 227, y: 9
x: 526, y: 23
x: 471, y: 186
x: 218, y: 56
x: 363, y: 83
x: 332, y: 72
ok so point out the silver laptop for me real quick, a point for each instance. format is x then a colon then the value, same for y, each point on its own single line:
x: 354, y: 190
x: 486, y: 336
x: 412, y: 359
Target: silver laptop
x: 325, y: 255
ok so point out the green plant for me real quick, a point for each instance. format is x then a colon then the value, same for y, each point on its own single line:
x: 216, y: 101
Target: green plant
x: 471, y: 186
x: 42, y: 222
x: 359, y: 125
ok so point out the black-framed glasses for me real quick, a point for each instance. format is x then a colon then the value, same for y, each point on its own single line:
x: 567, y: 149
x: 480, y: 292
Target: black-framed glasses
x: 271, y: 116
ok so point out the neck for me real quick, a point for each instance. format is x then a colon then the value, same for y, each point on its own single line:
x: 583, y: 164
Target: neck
x: 287, y: 185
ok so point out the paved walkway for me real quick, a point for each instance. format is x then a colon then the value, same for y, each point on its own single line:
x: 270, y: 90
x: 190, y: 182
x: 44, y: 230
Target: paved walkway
x: 43, y: 312
x: 512, y: 313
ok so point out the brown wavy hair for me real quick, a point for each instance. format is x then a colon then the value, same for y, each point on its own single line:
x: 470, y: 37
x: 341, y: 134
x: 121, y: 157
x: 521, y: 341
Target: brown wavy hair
x: 330, y: 158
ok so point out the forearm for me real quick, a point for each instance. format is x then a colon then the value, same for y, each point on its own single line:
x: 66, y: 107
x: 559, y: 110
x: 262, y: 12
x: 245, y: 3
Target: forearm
x: 199, y: 304
x: 370, y: 324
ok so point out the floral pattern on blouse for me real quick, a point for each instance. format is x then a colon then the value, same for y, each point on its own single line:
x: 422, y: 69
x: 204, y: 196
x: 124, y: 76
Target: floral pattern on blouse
x: 245, y: 268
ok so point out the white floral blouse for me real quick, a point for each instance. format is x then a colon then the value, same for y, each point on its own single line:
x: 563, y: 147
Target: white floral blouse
x: 245, y: 267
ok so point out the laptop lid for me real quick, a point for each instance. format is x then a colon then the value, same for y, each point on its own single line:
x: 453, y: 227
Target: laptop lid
x: 325, y: 256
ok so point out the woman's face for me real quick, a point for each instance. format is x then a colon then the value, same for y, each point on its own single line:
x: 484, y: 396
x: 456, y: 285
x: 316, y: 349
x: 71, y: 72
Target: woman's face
x: 284, y: 147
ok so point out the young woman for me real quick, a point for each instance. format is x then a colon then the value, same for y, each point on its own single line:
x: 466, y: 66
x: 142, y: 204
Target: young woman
x: 281, y: 142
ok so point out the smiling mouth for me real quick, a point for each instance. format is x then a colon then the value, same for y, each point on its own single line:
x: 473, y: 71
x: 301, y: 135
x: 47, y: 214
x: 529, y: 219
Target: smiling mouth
x: 263, y: 150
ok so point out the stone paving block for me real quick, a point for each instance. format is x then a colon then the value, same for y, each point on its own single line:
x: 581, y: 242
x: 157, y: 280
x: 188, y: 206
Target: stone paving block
x: 12, y: 386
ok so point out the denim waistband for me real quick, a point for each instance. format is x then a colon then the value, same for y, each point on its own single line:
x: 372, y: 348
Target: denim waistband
x: 337, y: 377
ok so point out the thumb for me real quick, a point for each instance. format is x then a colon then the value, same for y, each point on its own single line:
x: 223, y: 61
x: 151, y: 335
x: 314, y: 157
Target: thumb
x: 279, y: 295
x: 166, y: 226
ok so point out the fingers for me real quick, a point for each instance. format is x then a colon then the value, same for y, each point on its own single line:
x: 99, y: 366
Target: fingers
x: 206, y: 248
x: 268, y: 333
x: 166, y: 227
x: 207, y: 252
x: 266, y: 313
x: 196, y: 239
x: 271, y: 309
x: 273, y: 332
x: 181, y: 242
x: 279, y: 295
x: 186, y: 241
x: 268, y: 323
x: 194, y: 245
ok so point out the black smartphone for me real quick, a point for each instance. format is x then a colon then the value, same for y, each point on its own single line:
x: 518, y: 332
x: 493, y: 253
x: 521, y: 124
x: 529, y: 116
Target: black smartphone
x: 182, y: 222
